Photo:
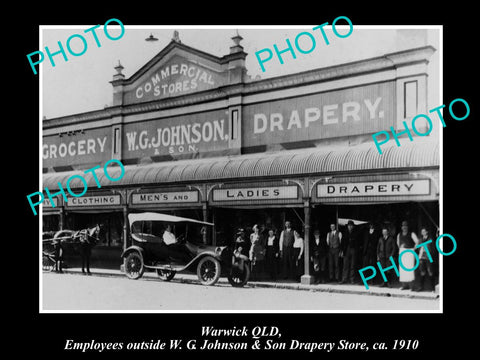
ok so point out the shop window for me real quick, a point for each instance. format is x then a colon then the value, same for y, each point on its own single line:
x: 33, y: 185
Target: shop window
x: 410, y: 99
x: 51, y: 222
x: 235, y: 124
x: 111, y: 227
x: 116, y: 140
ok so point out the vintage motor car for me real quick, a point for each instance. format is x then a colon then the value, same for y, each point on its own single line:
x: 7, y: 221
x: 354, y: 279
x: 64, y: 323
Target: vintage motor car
x: 169, y: 244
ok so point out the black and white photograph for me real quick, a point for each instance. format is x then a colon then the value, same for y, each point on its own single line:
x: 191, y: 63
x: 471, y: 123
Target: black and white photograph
x: 233, y: 162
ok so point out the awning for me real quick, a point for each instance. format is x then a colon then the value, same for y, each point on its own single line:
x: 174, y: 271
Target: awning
x: 344, y: 222
x: 329, y: 160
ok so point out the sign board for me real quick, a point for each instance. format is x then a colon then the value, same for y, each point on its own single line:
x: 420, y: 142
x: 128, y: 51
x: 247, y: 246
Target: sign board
x: 189, y: 135
x: 256, y: 193
x: 97, y: 200
x: 375, y: 188
x: 91, y: 146
x: 352, y: 111
x: 165, y: 197
x: 178, y: 76
x: 47, y: 203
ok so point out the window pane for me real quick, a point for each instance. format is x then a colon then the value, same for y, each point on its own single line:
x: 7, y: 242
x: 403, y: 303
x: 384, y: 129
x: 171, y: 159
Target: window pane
x: 234, y: 124
x: 115, y: 140
x: 411, y: 99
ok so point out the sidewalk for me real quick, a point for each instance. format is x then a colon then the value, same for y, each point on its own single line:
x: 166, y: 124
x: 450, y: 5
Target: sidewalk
x: 281, y: 284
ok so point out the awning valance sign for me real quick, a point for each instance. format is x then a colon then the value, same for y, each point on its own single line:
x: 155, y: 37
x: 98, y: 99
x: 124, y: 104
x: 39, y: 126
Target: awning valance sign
x: 165, y: 197
x: 256, y: 193
x: 48, y: 204
x: 97, y: 200
x: 375, y: 188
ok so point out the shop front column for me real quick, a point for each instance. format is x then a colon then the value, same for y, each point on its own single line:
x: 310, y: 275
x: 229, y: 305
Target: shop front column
x: 306, y: 277
x: 205, y: 219
x: 214, y: 229
x: 125, y: 227
x: 61, y: 220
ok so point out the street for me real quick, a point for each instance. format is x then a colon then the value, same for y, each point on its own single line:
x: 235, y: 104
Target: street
x: 71, y: 292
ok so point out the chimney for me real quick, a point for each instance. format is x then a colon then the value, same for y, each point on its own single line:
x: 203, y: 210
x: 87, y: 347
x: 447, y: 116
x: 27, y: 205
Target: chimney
x: 176, y: 37
x: 236, y: 61
x: 117, y: 84
x: 236, y: 41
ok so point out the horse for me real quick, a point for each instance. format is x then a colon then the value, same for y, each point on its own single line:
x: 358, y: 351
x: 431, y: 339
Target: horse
x: 85, y: 238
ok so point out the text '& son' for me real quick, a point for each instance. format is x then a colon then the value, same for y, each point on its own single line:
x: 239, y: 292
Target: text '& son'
x: 69, y: 190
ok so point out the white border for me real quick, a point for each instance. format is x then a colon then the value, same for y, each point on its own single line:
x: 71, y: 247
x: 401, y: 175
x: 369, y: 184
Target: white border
x: 149, y: 27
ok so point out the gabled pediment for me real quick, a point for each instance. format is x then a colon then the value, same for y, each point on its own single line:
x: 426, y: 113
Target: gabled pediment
x: 175, y: 71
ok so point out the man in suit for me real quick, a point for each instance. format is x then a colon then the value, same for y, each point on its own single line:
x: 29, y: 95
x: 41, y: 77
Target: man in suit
x: 385, y: 249
x: 334, y: 240
x: 349, y: 248
x: 369, y: 251
x: 286, y: 251
x: 319, y: 251
x: 425, y: 271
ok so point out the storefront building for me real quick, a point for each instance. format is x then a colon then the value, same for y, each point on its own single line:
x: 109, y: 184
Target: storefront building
x: 199, y: 138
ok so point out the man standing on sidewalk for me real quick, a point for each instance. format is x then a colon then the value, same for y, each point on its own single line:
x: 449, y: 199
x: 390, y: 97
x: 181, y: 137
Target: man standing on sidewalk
x: 425, y: 270
x: 349, y: 248
x: 369, y: 250
x: 286, y: 251
x: 319, y: 251
x: 407, y: 239
x: 334, y: 240
x: 385, y: 249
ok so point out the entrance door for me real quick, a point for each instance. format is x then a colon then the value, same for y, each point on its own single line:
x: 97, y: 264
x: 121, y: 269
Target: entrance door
x: 229, y: 220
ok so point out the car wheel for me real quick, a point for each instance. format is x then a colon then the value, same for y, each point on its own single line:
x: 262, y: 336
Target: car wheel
x: 239, y: 278
x: 208, y: 270
x: 47, y: 263
x: 134, y: 265
x: 166, y: 275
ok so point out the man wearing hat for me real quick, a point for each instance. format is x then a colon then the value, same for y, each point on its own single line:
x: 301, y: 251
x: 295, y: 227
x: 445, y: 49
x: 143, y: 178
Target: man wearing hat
x: 334, y: 239
x: 349, y: 247
x: 286, y: 251
x: 319, y: 251
x: 370, y: 242
x: 385, y: 248
x: 406, y: 239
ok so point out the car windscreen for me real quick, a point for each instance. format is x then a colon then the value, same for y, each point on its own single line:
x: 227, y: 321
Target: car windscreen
x: 148, y: 227
x: 190, y: 232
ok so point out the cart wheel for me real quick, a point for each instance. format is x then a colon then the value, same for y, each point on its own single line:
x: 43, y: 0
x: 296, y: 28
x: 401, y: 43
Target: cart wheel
x: 208, y: 270
x: 48, y: 265
x: 134, y: 265
x: 239, y: 278
x: 166, y: 275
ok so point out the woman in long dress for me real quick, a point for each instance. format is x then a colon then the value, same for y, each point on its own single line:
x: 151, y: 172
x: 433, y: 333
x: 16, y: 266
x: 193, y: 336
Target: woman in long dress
x: 257, y: 251
x: 298, y: 247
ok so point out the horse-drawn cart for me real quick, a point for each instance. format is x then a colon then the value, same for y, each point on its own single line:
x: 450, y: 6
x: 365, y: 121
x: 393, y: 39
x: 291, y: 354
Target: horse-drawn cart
x: 53, y: 242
